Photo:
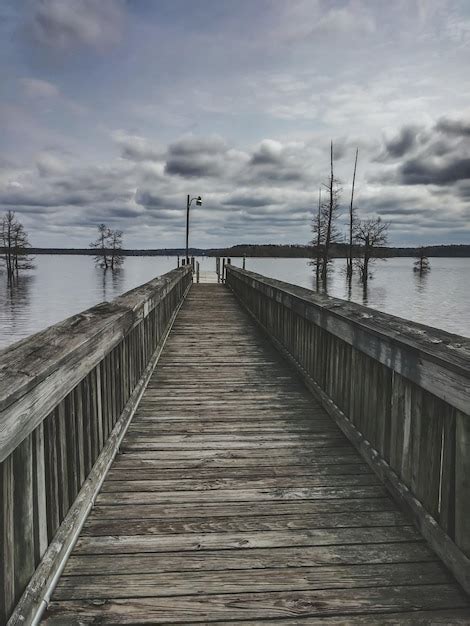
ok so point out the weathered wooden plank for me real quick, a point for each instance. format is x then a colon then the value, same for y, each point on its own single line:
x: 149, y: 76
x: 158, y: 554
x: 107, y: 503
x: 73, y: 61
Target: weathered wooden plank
x: 52, y: 475
x: 144, y: 443
x: 237, y: 458
x: 39, y: 494
x: 226, y: 541
x: 125, y: 585
x: 139, y: 526
x: 62, y: 431
x: 256, y: 558
x: 185, y: 510
x: 144, y: 470
x: 241, y: 495
x: 279, y: 482
x: 7, y: 549
x: 157, y: 427
x: 265, y: 605
x: 23, y: 515
x: 462, y: 483
x: 415, y: 618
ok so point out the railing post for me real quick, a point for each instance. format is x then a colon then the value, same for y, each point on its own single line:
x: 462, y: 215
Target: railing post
x: 7, y: 556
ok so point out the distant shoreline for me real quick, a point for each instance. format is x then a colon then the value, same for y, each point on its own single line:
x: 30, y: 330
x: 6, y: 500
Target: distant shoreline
x: 269, y: 251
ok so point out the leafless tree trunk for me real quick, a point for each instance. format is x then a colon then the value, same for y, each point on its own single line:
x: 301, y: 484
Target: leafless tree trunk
x: 369, y: 234
x: 317, y: 241
x: 349, y: 267
x: 330, y: 213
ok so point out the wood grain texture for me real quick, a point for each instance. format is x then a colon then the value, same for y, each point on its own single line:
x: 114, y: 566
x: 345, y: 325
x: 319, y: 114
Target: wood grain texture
x: 394, y: 388
x: 248, y: 606
x: 235, y: 498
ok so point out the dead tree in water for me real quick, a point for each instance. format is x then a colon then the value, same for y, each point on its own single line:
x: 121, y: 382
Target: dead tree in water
x: 369, y: 234
x: 108, y: 246
x: 349, y: 266
x: 318, y: 235
x: 330, y: 210
x: 101, y: 246
x: 422, y: 264
x: 15, y: 243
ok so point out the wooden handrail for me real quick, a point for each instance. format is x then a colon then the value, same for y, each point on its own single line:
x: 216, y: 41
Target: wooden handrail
x: 399, y: 390
x: 64, y: 393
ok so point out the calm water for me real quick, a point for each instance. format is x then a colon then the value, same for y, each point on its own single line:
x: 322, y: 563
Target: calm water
x: 63, y: 285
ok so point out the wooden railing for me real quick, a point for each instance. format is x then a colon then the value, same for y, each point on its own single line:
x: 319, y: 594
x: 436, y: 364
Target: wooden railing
x: 66, y: 397
x: 400, y: 391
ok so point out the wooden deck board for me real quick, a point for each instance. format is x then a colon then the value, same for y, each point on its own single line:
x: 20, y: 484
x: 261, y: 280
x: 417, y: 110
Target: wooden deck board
x: 236, y: 498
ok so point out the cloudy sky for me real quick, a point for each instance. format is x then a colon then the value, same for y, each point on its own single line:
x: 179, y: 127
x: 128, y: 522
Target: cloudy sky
x: 114, y: 110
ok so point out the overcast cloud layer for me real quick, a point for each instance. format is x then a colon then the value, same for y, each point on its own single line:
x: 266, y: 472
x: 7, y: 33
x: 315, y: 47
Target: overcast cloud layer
x: 114, y: 110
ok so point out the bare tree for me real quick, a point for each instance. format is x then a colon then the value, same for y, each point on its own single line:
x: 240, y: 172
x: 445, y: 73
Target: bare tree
x: 369, y: 234
x: 101, y: 246
x: 352, y: 219
x: 15, y: 243
x: 115, y: 245
x: 318, y: 237
x: 330, y: 211
x: 108, y: 246
x: 422, y: 264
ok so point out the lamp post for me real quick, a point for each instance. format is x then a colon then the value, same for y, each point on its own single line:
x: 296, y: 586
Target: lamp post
x: 188, y: 204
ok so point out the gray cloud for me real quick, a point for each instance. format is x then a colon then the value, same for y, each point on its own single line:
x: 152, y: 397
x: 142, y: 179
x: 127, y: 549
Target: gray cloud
x: 403, y: 143
x: 420, y: 172
x: 63, y: 25
x: 135, y: 148
x: 193, y: 157
x: 454, y: 127
x: 251, y: 200
x: 399, y: 145
x: 267, y: 192
x: 269, y: 152
x: 272, y: 161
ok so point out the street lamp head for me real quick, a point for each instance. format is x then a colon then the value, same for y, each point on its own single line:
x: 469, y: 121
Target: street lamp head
x: 199, y: 201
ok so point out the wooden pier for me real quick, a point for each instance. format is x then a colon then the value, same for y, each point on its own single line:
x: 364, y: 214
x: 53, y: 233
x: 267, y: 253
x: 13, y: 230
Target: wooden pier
x: 245, y: 467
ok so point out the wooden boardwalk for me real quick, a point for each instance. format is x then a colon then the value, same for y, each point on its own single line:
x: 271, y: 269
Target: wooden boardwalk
x: 235, y: 499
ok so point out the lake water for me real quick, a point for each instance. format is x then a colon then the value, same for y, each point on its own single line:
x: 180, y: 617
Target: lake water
x: 63, y: 285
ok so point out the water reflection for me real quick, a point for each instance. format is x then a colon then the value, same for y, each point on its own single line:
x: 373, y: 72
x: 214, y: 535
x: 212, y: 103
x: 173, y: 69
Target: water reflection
x: 421, y: 281
x: 110, y: 283
x: 15, y: 298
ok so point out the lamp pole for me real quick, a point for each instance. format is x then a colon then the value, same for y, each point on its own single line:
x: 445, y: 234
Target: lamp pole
x: 188, y: 204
